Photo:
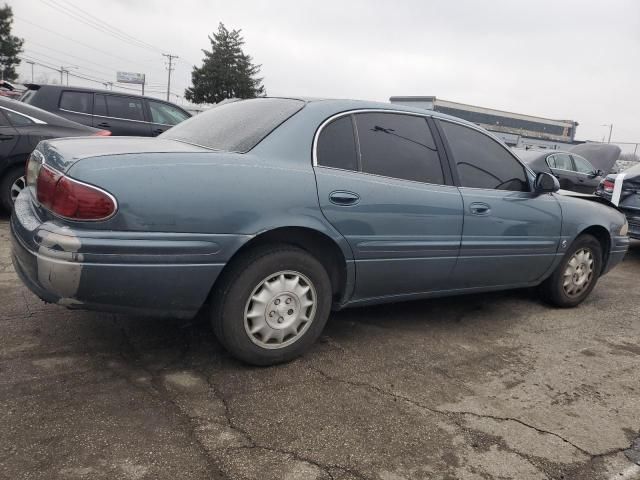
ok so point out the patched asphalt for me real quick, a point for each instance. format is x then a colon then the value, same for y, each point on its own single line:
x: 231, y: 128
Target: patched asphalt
x: 475, y: 387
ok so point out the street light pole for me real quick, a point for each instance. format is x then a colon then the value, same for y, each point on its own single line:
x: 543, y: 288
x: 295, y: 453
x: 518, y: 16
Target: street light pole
x: 610, y: 125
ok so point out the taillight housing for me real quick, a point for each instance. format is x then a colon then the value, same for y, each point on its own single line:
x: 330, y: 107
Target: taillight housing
x: 70, y: 198
x: 608, y: 186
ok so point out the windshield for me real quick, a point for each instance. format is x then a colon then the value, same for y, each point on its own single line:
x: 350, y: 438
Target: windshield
x: 235, y: 126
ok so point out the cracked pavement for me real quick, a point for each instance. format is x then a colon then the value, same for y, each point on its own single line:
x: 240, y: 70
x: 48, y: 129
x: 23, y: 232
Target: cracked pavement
x: 476, y: 387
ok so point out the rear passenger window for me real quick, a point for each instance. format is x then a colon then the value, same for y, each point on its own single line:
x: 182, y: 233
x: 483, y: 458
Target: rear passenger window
x: 398, y: 146
x: 337, y: 145
x: 100, y: 105
x: 128, y: 108
x: 80, y: 102
x: 482, y: 162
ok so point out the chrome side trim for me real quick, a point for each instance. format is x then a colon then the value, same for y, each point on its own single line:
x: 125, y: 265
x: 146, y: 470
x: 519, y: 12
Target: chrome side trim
x: 33, y: 119
x: 116, y: 118
x: 314, y: 149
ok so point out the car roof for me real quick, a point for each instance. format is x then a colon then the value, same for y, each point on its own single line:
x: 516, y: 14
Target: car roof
x: 349, y: 104
x: 40, y: 114
x: 37, y: 86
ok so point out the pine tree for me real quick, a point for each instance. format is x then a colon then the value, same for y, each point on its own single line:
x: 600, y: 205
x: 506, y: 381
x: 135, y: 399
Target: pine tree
x: 10, y: 46
x: 226, y: 71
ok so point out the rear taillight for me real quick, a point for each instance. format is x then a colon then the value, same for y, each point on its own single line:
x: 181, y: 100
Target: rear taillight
x: 608, y: 186
x: 102, y: 133
x: 71, y: 199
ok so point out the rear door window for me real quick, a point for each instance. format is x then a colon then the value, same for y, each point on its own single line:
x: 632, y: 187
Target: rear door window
x: 563, y: 161
x: 128, y: 108
x: 79, y: 102
x: 398, y: 146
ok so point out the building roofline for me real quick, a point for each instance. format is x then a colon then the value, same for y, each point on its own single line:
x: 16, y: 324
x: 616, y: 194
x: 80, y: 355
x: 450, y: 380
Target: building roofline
x: 504, y: 112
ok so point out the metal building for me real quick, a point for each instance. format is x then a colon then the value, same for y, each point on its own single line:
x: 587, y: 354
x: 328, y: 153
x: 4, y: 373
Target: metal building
x: 515, y: 129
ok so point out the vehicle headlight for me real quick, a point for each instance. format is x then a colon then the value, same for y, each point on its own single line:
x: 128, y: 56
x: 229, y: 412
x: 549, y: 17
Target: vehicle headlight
x: 625, y: 229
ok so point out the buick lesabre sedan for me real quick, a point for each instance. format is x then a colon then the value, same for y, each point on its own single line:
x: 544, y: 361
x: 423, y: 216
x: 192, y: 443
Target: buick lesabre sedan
x: 270, y: 212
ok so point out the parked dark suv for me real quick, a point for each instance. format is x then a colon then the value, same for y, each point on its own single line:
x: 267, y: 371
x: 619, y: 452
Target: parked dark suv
x: 120, y: 113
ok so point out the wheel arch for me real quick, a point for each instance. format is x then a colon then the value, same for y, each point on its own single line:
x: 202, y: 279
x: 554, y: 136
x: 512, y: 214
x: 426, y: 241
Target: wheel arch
x: 323, y: 247
x: 604, y: 238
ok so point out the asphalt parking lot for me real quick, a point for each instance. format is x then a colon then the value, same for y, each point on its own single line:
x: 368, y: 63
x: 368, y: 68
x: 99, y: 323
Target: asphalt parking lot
x: 477, y: 387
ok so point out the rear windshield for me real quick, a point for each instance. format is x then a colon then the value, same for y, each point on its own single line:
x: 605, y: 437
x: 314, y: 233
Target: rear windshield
x: 235, y: 126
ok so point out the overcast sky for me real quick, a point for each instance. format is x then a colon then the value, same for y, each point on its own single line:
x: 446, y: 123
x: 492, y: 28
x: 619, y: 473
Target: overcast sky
x: 577, y: 60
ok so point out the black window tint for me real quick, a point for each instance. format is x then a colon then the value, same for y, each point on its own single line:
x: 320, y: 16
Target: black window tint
x: 100, y: 105
x: 235, y: 126
x: 18, y: 120
x: 337, y: 145
x: 76, y: 101
x: 124, y: 107
x: 399, y: 146
x: 482, y: 162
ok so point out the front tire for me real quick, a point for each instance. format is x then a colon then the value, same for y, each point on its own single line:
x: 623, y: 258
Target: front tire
x: 576, y: 276
x: 271, y: 305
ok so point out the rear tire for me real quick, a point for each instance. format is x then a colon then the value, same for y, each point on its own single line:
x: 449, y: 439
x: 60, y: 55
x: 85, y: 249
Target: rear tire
x: 271, y: 304
x: 8, y: 185
x: 573, y: 280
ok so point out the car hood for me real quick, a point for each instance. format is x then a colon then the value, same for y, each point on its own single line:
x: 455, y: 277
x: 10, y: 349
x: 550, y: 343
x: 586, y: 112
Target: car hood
x: 62, y: 153
x: 601, y: 156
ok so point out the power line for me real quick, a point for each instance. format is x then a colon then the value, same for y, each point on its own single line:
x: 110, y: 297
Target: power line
x: 58, y: 59
x: 84, y: 44
x: 47, y: 64
x: 110, y: 27
x: 98, y: 25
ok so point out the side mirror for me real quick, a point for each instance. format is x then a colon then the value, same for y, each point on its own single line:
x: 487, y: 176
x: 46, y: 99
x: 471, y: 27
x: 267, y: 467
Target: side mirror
x: 546, y: 183
x: 599, y: 173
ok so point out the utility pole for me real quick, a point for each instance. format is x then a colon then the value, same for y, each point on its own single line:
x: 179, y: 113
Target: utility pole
x: 61, y: 74
x: 31, y: 63
x: 610, y: 125
x: 169, y: 69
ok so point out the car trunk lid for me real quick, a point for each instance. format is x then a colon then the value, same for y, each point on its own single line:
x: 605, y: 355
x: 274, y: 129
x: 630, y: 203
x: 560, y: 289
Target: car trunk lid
x: 62, y: 154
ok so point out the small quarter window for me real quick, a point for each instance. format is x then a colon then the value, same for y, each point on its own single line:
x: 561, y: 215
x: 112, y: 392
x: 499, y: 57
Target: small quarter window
x: 18, y: 120
x: 337, y: 145
x: 166, y: 114
x: 79, y: 102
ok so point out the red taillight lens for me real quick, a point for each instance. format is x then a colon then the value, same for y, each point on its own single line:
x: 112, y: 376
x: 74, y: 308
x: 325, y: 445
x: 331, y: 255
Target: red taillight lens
x: 46, y: 185
x: 102, y: 133
x: 608, y: 186
x: 71, y: 199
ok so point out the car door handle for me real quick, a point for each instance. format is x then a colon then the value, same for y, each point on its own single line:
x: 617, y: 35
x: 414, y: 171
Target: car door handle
x: 4, y: 137
x: 343, y: 198
x: 479, y: 208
